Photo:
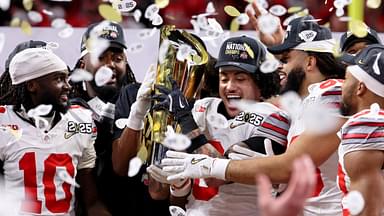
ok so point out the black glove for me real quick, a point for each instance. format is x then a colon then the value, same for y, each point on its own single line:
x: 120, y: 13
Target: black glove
x: 175, y: 102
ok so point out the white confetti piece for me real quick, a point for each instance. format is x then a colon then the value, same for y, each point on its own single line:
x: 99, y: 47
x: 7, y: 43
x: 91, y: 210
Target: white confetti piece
x: 64, y: 175
x: 183, y: 52
x: 52, y: 45
x: 268, y: 24
x: 58, y: 23
x: 4, y: 4
x: 374, y: 4
x: 47, y: 12
x: 2, y: 41
x: 35, y: 16
x: 291, y: 103
x: 339, y: 12
x: 103, y: 75
x: 66, y: 32
x: 210, y: 8
x: 40, y: 110
x: 80, y: 75
x: 96, y: 47
x: 176, y: 141
x: 270, y: 65
x: 278, y: 10
x: 134, y: 166
x: 157, y: 20
x: 375, y: 109
x: 354, y: 202
x: 215, y: 26
x: 151, y: 11
x: 137, y: 15
x: 176, y: 211
x: 243, y: 19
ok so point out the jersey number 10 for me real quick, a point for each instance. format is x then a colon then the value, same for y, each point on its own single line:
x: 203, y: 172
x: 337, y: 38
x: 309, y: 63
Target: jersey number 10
x: 31, y: 204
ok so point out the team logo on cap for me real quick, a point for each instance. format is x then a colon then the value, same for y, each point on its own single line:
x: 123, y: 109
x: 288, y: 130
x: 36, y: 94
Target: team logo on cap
x: 109, y: 31
x: 375, y: 66
x: 289, y: 27
x: 307, y: 35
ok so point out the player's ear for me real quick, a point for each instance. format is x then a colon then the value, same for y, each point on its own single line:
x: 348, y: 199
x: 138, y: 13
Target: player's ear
x: 32, y: 86
x: 361, y: 89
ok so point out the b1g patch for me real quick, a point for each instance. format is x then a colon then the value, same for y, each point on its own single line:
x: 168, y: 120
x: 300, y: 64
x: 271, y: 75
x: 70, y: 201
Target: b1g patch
x: 251, y: 118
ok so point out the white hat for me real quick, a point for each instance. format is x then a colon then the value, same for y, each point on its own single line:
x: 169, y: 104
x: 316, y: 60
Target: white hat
x: 33, y: 63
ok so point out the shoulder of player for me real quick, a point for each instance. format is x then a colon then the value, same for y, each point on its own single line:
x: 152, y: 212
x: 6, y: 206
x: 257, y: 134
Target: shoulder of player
x: 328, y: 87
x: 366, y: 118
x: 80, y: 113
x: 5, y: 111
x: 202, y: 105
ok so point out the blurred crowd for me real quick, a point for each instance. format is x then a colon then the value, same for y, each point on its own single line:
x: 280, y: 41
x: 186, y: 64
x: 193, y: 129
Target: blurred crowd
x: 80, y: 13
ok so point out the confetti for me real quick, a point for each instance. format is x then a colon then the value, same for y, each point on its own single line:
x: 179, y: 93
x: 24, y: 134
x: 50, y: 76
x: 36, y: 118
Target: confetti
x: 124, y: 5
x: 339, y: 12
x: 66, y: 32
x: 345, y: 19
x: 183, y: 52
x: 291, y: 103
x: 162, y: 3
x: 268, y: 24
x: 243, y: 19
x: 215, y: 26
x: 210, y: 8
x: 278, y: 10
x: 358, y: 28
x: 103, y: 75
x: 96, y: 47
x: 134, y: 166
x: 2, y: 41
x: 142, y: 153
x: 231, y: 11
x: 374, y: 109
x: 47, y: 12
x: 52, y: 45
x: 15, y: 22
x: 151, y: 11
x: 234, y: 27
x: 4, y: 4
x: 28, y: 4
x: 26, y: 27
x: 269, y: 65
x: 35, y: 16
x: 157, y: 20
x: 195, y: 25
x: 109, y: 13
x: 64, y: 175
x: 176, y: 211
x: 294, y: 9
x: 374, y: 4
x: 40, y: 110
x: 80, y: 75
x: 354, y: 202
x: 178, y: 142
x: 137, y: 15
x: 121, y: 123
x: 58, y: 23
x: 262, y: 3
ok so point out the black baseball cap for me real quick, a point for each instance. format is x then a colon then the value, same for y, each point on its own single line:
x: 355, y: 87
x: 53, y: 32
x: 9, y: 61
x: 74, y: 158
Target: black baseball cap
x: 22, y: 46
x: 348, y: 39
x: 241, y: 52
x: 369, y: 68
x: 301, y: 30
x: 110, y: 31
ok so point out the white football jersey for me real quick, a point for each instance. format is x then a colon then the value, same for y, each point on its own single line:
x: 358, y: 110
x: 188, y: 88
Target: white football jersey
x: 326, y: 199
x: 233, y: 198
x: 39, y: 166
x: 363, y: 131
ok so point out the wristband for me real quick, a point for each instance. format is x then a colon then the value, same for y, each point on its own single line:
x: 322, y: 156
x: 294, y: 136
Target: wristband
x: 219, y: 167
x: 181, y: 191
x: 196, y: 143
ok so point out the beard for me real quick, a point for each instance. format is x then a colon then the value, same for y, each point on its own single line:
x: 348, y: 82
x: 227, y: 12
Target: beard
x: 345, y: 109
x: 294, y: 80
x: 107, y: 93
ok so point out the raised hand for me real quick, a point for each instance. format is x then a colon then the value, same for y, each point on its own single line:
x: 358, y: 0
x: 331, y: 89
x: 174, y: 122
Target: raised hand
x: 269, y: 40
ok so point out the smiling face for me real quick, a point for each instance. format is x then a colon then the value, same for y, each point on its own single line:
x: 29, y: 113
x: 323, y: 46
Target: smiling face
x: 236, y: 85
x: 292, y: 70
x: 51, y: 89
x: 115, y: 59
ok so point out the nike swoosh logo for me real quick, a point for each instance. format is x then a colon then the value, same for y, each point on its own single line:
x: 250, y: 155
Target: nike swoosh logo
x: 376, y: 68
x: 68, y: 135
x: 181, y: 104
x: 233, y: 125
x: 360, y: 61
x: 195, y: 161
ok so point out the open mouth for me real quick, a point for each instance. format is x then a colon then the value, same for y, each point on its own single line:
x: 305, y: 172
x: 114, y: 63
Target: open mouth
x: 231, y: 99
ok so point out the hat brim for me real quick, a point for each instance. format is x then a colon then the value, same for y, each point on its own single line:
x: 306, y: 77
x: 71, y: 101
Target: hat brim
x: 242, y: 66
x: 353, y: 39
x: 278, y: 49
x: 112, y: 44
x: 347, y: 59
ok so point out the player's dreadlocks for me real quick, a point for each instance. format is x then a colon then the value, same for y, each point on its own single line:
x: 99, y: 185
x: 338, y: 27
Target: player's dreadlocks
x: 16, y: 95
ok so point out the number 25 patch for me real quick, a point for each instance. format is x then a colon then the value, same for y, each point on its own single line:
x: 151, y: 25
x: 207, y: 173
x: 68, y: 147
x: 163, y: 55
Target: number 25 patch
x: 79, y: 127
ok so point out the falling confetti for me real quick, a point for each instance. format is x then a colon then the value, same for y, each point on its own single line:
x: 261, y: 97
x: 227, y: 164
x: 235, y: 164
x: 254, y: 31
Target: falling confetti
x: 269, y: 66
x: 151, y: 11
x: 47, y: 12
x: 217, y: 121
x: 294, y: 9
x: 176, y: 211
x: 268, y: 24
x: 157, y: 20
x: 15, y: 22
x: 66, y: 32
x: 183, y: 52
x: 374, y: 4
x: 28, y: 4
x: 231, y: 11
x: 134, y: 166
x: 58, y: 23
x: 103, y: 76
x: 178, y: 142
x: 278, y: 10
x: 124, y: 5
x: 26, y: 27
x: 210, y: 8
x: 121, y: 123
x: 109, y: 13
x: 35, y: 16
x: 358, y: 28
x: 354, y: 202
x: 162, y: 3
x: 374, y: 109
x: 80, y: 75
x: 137, y: 15
x: 243, y: 19
x: 291, y: 103
x: 63, y: 175
x: 4, y: 5
x: 234, y: 27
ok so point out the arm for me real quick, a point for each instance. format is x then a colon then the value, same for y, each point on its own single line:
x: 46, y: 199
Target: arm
x: 278, y: 168
x: 364, y: 170
x: 89, y: 193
